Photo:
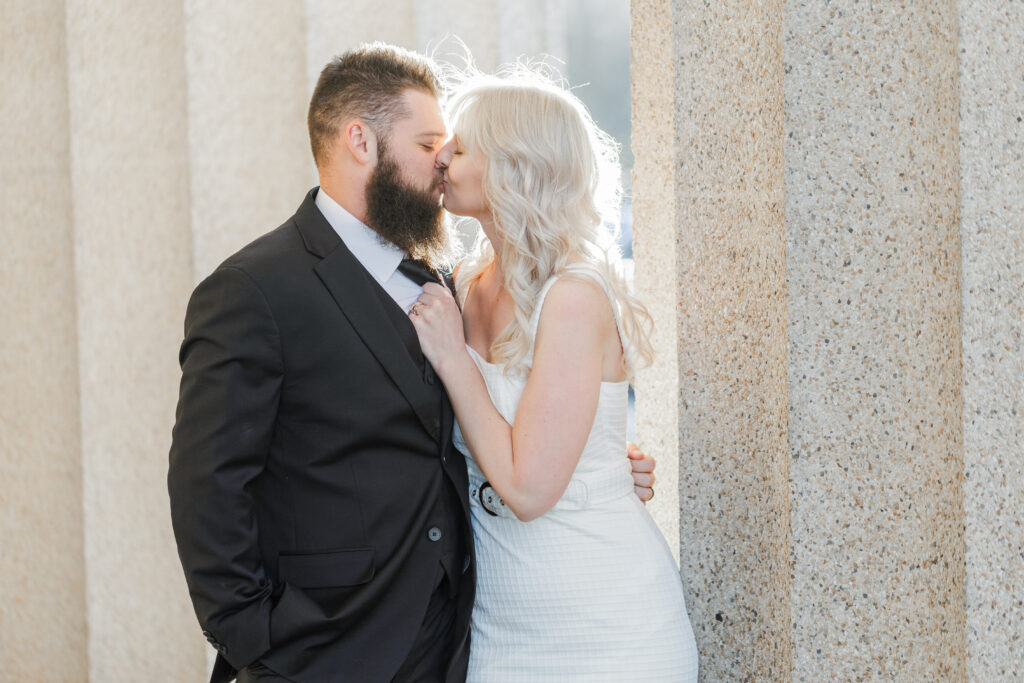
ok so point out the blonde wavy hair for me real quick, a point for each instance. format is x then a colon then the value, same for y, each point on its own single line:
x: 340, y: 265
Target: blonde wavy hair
x: 551, y: 180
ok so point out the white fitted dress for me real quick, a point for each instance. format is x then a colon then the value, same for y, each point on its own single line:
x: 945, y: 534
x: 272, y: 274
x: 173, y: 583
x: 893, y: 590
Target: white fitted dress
x: 587, y: 592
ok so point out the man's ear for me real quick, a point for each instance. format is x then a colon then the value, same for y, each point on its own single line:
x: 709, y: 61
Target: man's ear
x: 361, y: 142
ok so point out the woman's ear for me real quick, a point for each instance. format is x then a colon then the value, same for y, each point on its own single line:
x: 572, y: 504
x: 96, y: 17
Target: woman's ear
x: 361, y: 142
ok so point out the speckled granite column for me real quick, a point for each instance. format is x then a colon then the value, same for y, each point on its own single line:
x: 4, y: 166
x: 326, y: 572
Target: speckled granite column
x: 710, y: 190
x: 872, y: 202
x: 133, y: 252
x: 992, y: 220
x: 655, y: 226
x: 249, y: 157
x: 42, y: 562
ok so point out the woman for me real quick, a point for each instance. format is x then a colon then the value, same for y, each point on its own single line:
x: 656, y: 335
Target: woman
x: 575, y: 582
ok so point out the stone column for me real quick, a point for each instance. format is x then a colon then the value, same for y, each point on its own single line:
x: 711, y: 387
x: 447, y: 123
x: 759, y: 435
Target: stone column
x: 655, y: 223
x: 133, y: 253
x: 872, y: 203
x: 249, y: 158
x: 534, y: 29
x: 802, y: 166
x: 473, y: 22
x: 333, y: 27
x: 992, y: 233
x: 495, y: 31
x: 709, y: 244
x: 42, y: 561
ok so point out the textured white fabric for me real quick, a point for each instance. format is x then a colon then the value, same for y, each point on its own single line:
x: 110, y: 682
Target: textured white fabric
x: 589, y: 591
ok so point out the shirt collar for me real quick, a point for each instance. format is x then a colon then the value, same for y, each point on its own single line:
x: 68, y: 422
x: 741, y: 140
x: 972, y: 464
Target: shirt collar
x: 378, y: 256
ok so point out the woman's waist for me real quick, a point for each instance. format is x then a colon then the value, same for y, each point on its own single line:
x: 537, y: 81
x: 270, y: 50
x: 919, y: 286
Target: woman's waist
x: 586, y: 489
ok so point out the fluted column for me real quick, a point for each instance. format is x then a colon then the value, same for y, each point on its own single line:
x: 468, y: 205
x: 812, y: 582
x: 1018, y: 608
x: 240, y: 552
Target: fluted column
x: 474, y: 22
x: 133, y: 253
x: 655, y: 223
x: 872, y: 203
x: 495, y: 31
x: 992, y: 233
x: 42, y: 561
x: 249, y: 158
x: 806, y: 181
x: 710, y: 242
x: 333, y: 27
x: 249, y: 163
x: 532, y: 29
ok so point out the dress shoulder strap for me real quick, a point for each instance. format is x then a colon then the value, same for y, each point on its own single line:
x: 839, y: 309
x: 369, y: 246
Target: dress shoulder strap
x: 541, y: 296
x: 591, y: 273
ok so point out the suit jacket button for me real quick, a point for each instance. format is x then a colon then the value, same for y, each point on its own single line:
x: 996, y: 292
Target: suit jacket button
x: 434, y: 534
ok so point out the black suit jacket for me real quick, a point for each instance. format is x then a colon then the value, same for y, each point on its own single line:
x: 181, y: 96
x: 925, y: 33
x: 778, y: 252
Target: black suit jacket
x: 311, y: 456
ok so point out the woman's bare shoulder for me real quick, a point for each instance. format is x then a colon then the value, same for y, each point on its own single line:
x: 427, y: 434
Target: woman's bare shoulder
x: 574, y: 301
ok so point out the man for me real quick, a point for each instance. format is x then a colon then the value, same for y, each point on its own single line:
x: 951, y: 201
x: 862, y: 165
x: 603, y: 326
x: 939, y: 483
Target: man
x: 320, y: 510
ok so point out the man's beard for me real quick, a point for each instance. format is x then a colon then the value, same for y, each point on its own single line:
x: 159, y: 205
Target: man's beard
x: 410, y: 218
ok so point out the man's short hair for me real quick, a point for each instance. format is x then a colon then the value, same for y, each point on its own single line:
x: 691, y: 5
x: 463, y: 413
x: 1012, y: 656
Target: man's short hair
x: 366, y: 83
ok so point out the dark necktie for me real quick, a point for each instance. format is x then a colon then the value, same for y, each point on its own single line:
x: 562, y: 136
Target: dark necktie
x: 418, y: 271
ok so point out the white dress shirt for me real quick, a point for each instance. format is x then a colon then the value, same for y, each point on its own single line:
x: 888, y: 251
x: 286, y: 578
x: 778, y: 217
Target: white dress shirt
x: 378, y: 256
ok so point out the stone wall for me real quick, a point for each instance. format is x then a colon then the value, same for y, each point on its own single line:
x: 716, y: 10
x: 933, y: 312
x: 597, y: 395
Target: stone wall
x: 829, y: 226
x: 833, y: 193
x: 142, y: 143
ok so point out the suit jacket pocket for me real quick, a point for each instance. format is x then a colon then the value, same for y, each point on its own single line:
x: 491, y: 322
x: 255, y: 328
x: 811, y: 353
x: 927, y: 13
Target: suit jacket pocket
x: 326, y: 569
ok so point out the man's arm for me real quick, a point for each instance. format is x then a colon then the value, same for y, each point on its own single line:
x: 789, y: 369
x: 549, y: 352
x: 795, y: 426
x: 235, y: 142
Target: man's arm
x: 230, y: 385
x: 643, y: 472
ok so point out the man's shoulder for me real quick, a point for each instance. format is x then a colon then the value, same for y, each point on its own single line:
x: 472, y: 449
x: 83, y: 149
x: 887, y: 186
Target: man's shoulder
x: 281, y: 262
x: 266, y: 248
x: 270, y: 255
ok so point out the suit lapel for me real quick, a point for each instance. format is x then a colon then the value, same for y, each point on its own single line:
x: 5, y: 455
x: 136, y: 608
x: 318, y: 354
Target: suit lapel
x: 402, y: 325
x: 352, y: 288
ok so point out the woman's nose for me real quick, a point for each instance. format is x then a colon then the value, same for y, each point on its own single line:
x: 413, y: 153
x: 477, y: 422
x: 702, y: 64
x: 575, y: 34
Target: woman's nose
x: 444, y: 156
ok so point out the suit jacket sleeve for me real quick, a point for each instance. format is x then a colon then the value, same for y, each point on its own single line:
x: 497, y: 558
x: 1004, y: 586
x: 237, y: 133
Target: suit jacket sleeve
x: 230, y: 386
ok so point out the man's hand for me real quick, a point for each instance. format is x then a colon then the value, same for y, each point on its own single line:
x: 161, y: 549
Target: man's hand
x: 643, y: 472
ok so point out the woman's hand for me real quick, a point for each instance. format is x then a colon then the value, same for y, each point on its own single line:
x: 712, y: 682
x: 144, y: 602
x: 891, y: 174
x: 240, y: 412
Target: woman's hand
x: 438, y: 324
